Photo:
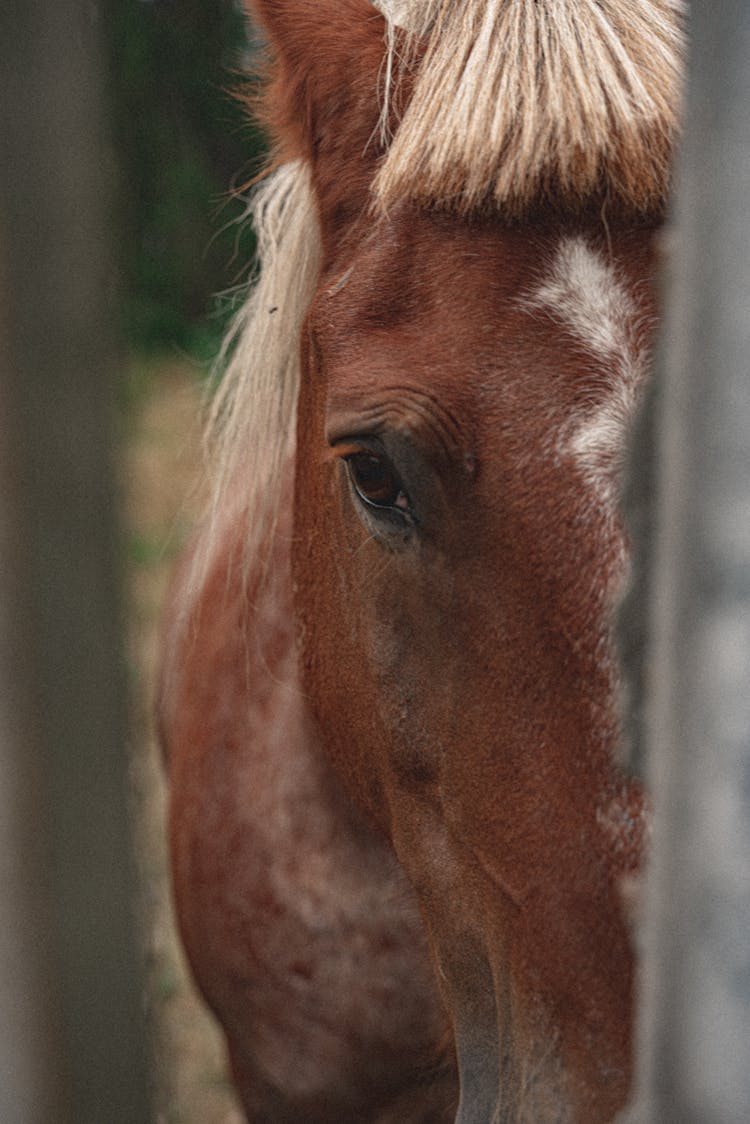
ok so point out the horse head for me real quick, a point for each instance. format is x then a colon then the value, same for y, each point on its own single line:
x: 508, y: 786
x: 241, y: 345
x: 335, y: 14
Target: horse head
x: 484, y: 183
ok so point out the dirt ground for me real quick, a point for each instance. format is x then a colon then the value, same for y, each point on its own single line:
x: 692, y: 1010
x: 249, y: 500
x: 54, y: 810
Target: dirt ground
x: 161, y: 475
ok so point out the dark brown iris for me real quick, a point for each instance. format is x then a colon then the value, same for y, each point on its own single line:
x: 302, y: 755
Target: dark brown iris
x: 375, y: 480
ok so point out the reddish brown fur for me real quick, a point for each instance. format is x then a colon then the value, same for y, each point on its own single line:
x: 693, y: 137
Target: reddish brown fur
x: 328, y: 1008
x: 485, y: 600
x: 328, y: 58
x: 459, y: 688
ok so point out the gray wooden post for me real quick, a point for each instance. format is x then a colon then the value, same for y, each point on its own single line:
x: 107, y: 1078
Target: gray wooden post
x: 695, y: 1029
x: 71, y: 1039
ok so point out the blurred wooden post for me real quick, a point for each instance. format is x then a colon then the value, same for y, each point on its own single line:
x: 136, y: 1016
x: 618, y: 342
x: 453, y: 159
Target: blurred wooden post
x: 71, y: 1039
x: 695, y: 1040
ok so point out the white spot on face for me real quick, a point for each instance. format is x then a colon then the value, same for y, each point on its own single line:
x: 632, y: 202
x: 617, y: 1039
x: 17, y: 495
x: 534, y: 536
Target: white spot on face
x: 590, y: 299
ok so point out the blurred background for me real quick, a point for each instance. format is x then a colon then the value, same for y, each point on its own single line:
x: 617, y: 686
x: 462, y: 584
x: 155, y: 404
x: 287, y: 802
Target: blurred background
x: 126, y: 154
x: 185, y: 150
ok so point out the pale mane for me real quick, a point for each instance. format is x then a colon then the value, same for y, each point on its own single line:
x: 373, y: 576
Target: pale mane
x: 519, y: 101
x: 251, y: 427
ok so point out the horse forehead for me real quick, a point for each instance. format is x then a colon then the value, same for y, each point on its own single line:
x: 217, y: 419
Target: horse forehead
x: 610, y: 316
x: 534, y: 318
x: 415, y: 264
x: 419, y: 267
x: 589, y: 296
x: 430, y: 297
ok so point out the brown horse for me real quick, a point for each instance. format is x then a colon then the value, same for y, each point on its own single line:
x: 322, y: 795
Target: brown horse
x: 405, y: 849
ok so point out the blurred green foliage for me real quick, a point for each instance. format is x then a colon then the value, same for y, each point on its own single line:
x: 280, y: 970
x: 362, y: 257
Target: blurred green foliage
x: 184, y: 142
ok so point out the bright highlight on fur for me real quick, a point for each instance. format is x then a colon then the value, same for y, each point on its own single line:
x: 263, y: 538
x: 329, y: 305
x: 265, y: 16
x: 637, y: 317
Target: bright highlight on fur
x: 519, y: 102
x: 585, y: 293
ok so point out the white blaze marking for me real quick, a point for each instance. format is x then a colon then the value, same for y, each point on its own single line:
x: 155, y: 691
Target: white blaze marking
x: 588, y: 296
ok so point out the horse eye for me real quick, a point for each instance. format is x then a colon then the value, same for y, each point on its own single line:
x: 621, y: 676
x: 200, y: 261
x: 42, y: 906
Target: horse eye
x: 376, y: 481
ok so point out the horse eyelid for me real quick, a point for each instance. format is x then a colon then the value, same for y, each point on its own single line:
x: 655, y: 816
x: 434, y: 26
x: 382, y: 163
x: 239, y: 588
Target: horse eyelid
x: 344, y: 450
